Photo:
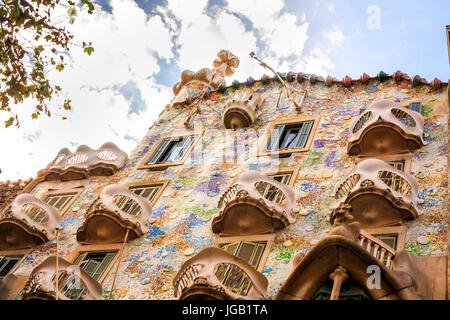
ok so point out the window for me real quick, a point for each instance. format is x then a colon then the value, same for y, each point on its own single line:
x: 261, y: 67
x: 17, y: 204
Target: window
x: 130, y: 206
x: 59, y: 201
x: 147, y: 192
x: 271, y: 192
x: 171, y: 150
x: 362, y: 110
x: 35, y: 213
x: 349, y: 291
x: 7, y: 264
x: 416, y: 106
x: 393, y: 236
x: 288, y: 136
x: 399, y: 165
x: 390, y: 240
x: 249, y: 251
x: 95, y: 263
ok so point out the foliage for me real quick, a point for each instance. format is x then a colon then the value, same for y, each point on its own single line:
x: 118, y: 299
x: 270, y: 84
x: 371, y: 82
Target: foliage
x: 265, y: 79
x: 31, y: 44
x: 236, y: 84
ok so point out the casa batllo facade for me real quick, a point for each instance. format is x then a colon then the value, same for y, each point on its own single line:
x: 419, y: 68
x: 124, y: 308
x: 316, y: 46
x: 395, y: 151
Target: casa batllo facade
x: 288, y: 187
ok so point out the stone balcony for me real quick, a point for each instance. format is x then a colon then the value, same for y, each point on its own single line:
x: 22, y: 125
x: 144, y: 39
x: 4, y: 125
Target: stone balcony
x: 110, y: 216
x: 348, y: 255
x: 254, y: 204
x: 214, y: 274
x: 379, y: 194
x: 241, y: 111
x: 377, y: 248
x: 27, y: 222
x: 385, y: 127
x: 73, y: 282
x: 84, y: 162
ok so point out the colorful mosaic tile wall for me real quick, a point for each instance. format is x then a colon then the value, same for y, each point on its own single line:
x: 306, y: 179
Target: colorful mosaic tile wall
x: 185, y: 209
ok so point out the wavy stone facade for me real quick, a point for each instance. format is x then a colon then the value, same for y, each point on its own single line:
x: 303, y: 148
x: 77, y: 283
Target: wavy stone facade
x: 184, y: 211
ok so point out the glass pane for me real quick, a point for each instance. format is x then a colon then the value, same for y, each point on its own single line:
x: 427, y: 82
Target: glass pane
x: 95, y: 264
x: 290, y: 137
x: 389, y: 240
x: 7, y: 264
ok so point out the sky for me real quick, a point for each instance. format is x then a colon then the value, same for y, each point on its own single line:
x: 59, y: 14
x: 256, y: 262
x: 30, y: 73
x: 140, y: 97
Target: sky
x: 141, y: 48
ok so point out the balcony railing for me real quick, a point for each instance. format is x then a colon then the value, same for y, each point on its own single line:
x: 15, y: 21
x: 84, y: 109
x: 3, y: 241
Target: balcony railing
x: 386, y: 127
x: 255, y: 204
x: 377, y: 248
x: 116, y: 210
x: 219, y: 275
x: 242, y: 110
x: 73, y: 283
x: 84, y: 162
x: 27, y: 222
x: 375, y: 179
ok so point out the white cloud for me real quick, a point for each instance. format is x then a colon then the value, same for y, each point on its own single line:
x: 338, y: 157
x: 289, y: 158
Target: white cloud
x: 336, y: 37
x: 125, y: 44
x: 330, y: 7
x: 128, y: 43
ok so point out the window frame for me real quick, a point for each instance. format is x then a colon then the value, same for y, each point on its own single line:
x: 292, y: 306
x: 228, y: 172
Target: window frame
x: 262, y: 150
x: 268, y: 238
x: 143, y: 164
x: 399, y: 231
x: 293, y: 170
x: 94, y: 248
x: 162, y: 183
x: 17, y: 252
x: 64, y: 189
x: 406, y: 157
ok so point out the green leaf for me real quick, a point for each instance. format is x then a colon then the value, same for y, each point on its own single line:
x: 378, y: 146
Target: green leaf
x: 60, y: 67
x: 89, y: 50
x: 34, y: 116
x: 28, y: 24
x: 9, y: 122
x: 67, y: 104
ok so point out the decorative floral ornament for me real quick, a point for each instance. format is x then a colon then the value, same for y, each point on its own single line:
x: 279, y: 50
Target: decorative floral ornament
x: 226, y: 63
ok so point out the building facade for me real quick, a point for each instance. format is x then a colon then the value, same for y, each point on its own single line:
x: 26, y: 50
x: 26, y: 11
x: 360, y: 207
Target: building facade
x: 287, y: 187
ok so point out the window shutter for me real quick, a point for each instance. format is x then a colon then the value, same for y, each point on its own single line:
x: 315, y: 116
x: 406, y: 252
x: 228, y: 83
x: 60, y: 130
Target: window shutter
x: 303, y: 134
x: 159, y: 151
x: 416, y: 106
x: 274, y: 143
x: 231, y: 247
x: 246, y: 250
x: 90, y: 266
x: 105, y: 263
x: 257, y: 254
x: 80, y: 259
x: 187, y: 142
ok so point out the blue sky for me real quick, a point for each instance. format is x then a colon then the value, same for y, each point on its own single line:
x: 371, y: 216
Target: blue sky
x: 141, y: 47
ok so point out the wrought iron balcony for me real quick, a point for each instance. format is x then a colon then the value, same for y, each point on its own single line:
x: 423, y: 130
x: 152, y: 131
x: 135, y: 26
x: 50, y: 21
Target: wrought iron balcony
x: 84, y: 162
x: 378, y: 193
x: 385, y: 127
x: 27, y: 222
x: 214, y: 274
x: 110, y: 216
x: 242, y: 110
x: 72, y: 282
x: 255, y: 204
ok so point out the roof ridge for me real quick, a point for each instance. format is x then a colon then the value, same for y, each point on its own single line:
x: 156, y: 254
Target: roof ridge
x: 347, y: 81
